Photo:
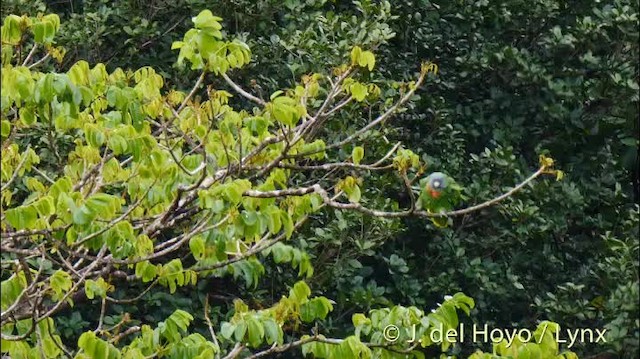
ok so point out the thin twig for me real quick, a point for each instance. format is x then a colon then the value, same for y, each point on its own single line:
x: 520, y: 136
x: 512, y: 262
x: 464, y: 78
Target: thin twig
x: 15, y: 172
x: 237, y: 349
x: 242, y: 92
x: 133, y: 300
x: 193, y: 91
x: 30, y: 55
x: 39, y: 61
x: 43, y: 175
x: 103, y: 311
x: 131, y: 330
x: 371, y: 124
x: 210, y: 325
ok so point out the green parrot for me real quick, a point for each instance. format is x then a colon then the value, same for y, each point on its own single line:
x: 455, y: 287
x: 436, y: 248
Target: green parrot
x: 439, y: 193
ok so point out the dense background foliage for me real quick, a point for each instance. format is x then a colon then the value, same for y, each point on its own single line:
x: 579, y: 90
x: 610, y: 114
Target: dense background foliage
x: 516, y: 79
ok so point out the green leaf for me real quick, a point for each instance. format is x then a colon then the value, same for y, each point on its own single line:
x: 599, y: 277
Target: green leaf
x: 117, y: 144
x: 227, y: 330
x: 181, y: 319
x: 358, y: 91
x: 273, y: 332
x: 27, y: 116
x: 274, y: 219
x: 240, y: 331
x: 353, y: 193
x: 234, y: 190
x: 137, y: 116
x: 448, y: 312
x: 355, y: 55
x: 97, y: 348
x: 359, y: 319
x: 300, y: 292
x: 357, y: 154
x: 367, y: 59
x: 285, y: 114
x: 95, y: 137
x: 24, y: 217
x: 11, y: 30
x: 316, y: 308
x: 205, y: 19
x: 463, y: 302
x: 61, y: 283
x: 12, y: 288
x: 197, y: 246
x: 287, y: 223
x: 256, y: 332
x: 103, y: 204
x: 79, y: 73
x: 146, y: 271
x: 6, y: 129
x: 45, y: 206
x: 233, y: 62
x: 249, y: 217
x: 276, y: 94
x: 83, y: 215
x: 93, y: 288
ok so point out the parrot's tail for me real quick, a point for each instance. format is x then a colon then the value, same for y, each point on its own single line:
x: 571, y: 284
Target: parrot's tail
x: 440, y: 222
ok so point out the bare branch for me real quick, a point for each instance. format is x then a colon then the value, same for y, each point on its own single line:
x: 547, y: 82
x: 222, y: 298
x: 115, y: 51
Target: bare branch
x: 28, y: 233
x: 193, y: 91
x: 407, y: 186
x: 237, y: 349
x: 43, y: 59
x: 30, y: 55
x: 131, y: 330
x: 103, y: 311
x: 135, y: 299
x: 279, y: 193
x: 314, y: 123
x: 15, y: 172
x: 242, y: 92
x: 391, y: 151
x: 358, y: 207
x: 43, y: 175
x: 342, y: 104
x: 500, y: 198
x: 284, y: 348
x: 382, y: 117
x: 26, y: 290
x: 210, y: 325
x: 373, y: 123
x: 73, y: 289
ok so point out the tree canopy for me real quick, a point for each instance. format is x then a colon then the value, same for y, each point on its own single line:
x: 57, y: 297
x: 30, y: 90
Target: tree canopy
x: 195, y: 179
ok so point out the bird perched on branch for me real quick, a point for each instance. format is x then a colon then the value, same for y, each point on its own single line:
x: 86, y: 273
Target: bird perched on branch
x: 439, y: 194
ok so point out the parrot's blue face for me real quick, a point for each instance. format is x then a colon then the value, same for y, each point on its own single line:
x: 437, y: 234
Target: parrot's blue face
x: 436, y: 182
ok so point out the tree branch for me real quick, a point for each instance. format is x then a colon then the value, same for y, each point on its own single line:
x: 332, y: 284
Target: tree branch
x: 242, y: 92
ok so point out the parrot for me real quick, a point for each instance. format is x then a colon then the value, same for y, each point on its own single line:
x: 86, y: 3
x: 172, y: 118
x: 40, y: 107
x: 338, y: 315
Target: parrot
x: 439, y: 194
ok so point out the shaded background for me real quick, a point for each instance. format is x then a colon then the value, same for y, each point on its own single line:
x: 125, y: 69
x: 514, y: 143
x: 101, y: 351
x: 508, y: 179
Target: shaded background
x: 517, y: 79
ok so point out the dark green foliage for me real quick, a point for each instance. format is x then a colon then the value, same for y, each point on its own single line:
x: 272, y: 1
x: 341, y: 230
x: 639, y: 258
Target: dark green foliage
x: 516, y: 78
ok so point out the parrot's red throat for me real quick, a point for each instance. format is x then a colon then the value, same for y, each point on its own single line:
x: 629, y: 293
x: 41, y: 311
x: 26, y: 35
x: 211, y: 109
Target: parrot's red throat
x: 434, y: 193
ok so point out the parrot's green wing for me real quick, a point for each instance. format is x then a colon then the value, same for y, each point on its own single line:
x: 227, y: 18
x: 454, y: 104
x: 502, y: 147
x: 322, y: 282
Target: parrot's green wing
x: 448, y: 199
x: 423, y: 201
